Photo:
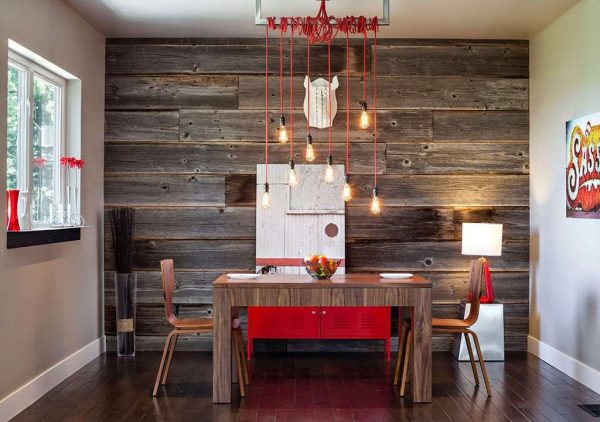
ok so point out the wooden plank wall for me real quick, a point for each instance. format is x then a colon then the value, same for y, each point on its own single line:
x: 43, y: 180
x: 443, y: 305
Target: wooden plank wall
x: 184, y: 132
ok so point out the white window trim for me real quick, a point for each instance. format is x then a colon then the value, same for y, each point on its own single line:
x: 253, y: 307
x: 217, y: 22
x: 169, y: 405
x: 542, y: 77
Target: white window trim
x: 25, y: 168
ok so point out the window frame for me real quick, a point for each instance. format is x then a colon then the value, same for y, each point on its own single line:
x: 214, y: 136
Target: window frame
x: 25, y: 142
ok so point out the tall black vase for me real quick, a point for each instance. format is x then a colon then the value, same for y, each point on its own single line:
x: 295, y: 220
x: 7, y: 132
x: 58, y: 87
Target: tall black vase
x: 125, y: 300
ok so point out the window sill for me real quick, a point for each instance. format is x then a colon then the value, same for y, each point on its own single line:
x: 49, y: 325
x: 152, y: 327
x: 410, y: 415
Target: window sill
x: 43, y: 236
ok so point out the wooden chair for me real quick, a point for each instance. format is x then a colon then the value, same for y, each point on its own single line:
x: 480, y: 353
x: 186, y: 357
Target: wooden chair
x: 193, y: 326
x: 451, y: 326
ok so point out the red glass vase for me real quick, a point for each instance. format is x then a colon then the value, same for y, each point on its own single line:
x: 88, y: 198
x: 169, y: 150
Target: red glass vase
x: 12, y: 210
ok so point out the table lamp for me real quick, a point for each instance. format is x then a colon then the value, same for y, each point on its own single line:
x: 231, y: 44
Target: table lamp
x: 483, y: 239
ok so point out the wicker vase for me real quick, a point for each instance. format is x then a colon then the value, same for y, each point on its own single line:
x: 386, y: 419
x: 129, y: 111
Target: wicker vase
x: 125, y: 301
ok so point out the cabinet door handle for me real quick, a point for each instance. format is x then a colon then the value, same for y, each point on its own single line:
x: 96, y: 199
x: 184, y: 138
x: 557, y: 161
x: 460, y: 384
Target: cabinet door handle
x: 314, y: 312
x: 323, y: 312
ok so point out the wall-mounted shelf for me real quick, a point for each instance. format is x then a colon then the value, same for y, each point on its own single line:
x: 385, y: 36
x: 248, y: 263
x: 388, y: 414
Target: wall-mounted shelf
x: 45, y: 236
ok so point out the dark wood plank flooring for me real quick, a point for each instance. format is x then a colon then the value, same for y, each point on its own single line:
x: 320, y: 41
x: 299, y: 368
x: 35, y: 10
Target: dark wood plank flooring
x: 311, y: 387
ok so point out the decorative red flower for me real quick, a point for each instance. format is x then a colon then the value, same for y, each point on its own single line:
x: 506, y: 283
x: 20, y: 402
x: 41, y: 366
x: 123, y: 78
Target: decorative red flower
x: 39, y: 162
x: 66, y: 161
x: 78, y: 164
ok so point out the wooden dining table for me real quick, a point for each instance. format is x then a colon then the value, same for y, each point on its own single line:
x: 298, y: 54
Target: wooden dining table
x: 412, y: 294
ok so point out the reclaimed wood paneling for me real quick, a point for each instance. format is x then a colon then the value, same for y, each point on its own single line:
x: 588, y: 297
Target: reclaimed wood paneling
x: 481, y: 126
x: 230, y: 125
x: 406, y: 92
x: 243, y: 58
x: 456, y: 58
x: 134, y: 92
x: 161, y: 190
x: 185, y: 129
x: 458, y: 158
x: 136, y: 125
x: 224, y: 157
x: 385, y: 255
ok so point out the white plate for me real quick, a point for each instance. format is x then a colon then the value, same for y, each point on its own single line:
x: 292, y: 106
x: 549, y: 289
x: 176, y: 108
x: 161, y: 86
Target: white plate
x: 395, y: 275
x: 238, y: 276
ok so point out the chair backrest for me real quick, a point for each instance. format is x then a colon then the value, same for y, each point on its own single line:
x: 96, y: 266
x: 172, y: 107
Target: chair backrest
x: 476, y: 278
x: 168, y: 283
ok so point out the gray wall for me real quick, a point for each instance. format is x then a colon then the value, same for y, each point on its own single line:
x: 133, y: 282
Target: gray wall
x: 50, y: 296
x: 565, y: 269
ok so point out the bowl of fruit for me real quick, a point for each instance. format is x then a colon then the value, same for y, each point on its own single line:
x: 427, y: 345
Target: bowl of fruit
x: 320, y: 267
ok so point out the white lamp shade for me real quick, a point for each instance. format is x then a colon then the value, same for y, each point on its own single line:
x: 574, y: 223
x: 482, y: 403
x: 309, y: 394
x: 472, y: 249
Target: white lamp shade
x: 482, y: 239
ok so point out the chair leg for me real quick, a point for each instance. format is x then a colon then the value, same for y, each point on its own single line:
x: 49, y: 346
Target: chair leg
x: 472, y: 358
x: 238, y: 359
x: 243, y: 357
x: 162, y: 363
x: 482, y: 364
x: 406, y: 363
x: 399, y: 358
x: 169, y: 359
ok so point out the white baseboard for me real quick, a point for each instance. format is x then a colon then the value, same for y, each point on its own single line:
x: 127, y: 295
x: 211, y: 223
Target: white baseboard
x: 18, y: 400
x: 579, y: 371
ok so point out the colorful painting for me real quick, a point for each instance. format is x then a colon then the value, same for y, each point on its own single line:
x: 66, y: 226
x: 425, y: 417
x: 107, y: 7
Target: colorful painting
x: 583, y: 167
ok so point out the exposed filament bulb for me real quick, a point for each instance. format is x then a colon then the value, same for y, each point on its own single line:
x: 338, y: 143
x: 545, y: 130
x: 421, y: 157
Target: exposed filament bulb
x: 364, y: 116
x: 375, y: 204
x: 329, y: 173
x: 310, y: 150
x: 282, y: 135
x: 266, y: 199
x: 347, y: 192
x: 293, y: 179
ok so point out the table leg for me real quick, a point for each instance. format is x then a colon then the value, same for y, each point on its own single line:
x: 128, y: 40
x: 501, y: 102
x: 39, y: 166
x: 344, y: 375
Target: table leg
x: 421, y: 356
x: 221, y: 346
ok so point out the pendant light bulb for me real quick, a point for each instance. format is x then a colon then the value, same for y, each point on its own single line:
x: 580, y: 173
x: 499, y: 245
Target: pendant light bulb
x: 266, y: 199
x: 282, y: 135
x: 347, y: 192
x: 293, y: 179
x: 364, y: 116
x: 329, y: 173
x: 375, y: 204
x: 310, y: 151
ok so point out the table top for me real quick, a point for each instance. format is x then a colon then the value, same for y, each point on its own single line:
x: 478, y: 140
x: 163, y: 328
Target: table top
x: 338, y: 280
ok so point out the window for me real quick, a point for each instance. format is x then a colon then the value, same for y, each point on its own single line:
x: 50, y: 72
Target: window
x: 35, y: 136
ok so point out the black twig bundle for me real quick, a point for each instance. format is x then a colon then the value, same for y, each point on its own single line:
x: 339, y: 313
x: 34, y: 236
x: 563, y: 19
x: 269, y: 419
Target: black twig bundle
x: 121, y: 224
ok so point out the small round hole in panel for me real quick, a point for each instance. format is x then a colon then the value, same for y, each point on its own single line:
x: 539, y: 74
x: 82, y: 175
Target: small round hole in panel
x: 331, y: 230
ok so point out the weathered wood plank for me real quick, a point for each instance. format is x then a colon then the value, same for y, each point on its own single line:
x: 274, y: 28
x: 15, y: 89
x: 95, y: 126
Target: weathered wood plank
x: 515, y: 220
x: 146, y: 125
x: 454, y: 58
x: 403, y: 92
x: 480, y: 126
x: 230, y: 125
x: 169, y: 92
x: 458, y: 158
x: 438, y: 190
x: 240, y: 190
x: 226, y: 59
x: 378, y: 255
x: 190, y: 254
x: 155, y: 190
x: 195, y: 287
x: 420, y: 223
x: 400, y: 223
x: 412, y: 191
x: 225, y: 158
x: 192, y: 223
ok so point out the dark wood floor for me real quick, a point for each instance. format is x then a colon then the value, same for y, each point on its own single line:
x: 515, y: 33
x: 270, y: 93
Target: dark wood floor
x: 311, y: 387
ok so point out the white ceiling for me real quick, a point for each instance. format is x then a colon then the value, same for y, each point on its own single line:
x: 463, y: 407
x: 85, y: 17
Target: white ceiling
x: 511, y: 19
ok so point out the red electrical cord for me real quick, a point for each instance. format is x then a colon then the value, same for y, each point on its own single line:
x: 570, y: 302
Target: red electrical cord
x: 281, y: 29
x: 365, y: 66
x: 347, y: 102
x: 267, y: 105
x: 308, y: 87
x: 375, y: 97
x: 292, y: 90
x: 329, y: 92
